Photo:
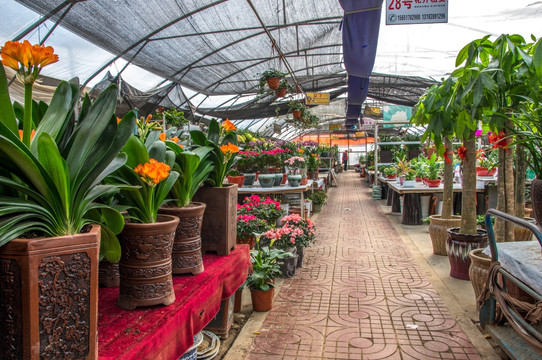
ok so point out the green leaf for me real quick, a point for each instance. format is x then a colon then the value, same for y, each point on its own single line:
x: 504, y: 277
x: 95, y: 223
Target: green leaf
x: 56, y: 166
x: 198, y: 137
x: 537, y: 57
x: 213, y: 134
x: 113, y: 219
x: 462, y: 55
x: 109, y: 246
x: 157, y: 151
x: 136, y: 151
x: 7, y: 116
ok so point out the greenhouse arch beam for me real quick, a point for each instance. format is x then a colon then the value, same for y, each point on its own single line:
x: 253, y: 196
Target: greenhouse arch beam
x: 146, y: 38
x: 45, y: 17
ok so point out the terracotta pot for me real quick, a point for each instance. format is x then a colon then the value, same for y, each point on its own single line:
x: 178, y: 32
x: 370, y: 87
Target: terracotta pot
x: 536, y: 198
x: 392, y: 176
x: 219, y: 229
x: 49, y: 297
x: 304, y: 180
x: 186, y: 255
x: 313, y: 175
x: 297, y: 114
x: 239, y: 180
x: 262, y: 300
x: 281, y: 92
x: 418, y: 179
x: 273, y: 83
x: 108, y: 274
x: 438, y: 232
x: 300, y: 256
x: 145, y: 263
x: 458, y: 247
x: 481, y: 171
x: 284, y: 178
x: 432, y: 183
x: 249, y: 179
x: 478, y: 270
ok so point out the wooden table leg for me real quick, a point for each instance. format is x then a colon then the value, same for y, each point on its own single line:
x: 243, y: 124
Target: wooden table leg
x: 395, y: 201
x: 412, y: 209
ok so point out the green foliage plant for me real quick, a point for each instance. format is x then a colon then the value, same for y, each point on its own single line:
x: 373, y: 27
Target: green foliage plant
x: 267, y: 74
x: 265, y: 265
x: 318, y: 197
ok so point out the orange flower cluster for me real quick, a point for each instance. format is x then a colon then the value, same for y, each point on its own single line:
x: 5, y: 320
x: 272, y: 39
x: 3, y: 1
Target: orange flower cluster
x: 228, y: 125
x: 27, y: 59
x: 462, y: 152
x: 175, y: 139
x: 301, y: 151
x: 229, y: 149
x: 152, y: 172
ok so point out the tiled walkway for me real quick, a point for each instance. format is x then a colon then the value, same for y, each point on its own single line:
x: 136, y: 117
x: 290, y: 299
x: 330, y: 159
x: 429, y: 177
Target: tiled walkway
x: 361, y: 295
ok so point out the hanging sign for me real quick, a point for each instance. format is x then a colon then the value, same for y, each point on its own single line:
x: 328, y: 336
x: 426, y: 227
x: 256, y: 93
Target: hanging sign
x: 333, y: 127
x: 360, y: 134
x: 400, y: 12
x: 397, y: 113
x: 317, y: 98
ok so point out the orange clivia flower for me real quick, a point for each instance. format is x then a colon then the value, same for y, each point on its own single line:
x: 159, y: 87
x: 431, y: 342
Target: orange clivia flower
x: 152, y: 172
x: 118, y: 120
x: 163, y: 136
x: 31, y: 134
x: 149, y: 117
x: 27, y: 59
x: 181, y: 145
x: 301, y: 151
x: 229, y: 149
x: 228, y: 125
x: 175, y: 139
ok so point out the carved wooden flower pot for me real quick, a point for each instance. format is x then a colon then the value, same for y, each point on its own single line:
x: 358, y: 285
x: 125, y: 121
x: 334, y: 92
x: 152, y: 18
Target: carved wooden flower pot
x: 108, y: 274
x: 219, y: 230
x: 186, y: 256
x: 145, y: 263
x: 49, y: 301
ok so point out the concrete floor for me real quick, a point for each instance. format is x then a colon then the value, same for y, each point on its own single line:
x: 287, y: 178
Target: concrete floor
x: 362, y: 286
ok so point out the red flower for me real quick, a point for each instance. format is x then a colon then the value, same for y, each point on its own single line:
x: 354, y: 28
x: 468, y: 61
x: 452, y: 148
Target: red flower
x: 498, y: 140
x: 462, y: 152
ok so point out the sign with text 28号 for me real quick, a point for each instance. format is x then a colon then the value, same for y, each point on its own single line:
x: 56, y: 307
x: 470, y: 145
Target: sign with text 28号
x: 400, y: 12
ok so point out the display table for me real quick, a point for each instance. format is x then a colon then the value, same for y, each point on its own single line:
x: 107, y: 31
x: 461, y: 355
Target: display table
x: 411, y: 210
x: 279, y: 190
x: 166, y: 332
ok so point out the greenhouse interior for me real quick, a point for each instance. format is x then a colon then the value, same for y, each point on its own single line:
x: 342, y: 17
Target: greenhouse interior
x: 338, y: 179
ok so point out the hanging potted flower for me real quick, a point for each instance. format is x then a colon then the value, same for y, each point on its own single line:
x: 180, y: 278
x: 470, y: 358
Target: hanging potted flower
x: 272, y: 78
x: 194, y: 167
x: 49, y: 183
x: 218, y: 229
x: 147, y: 237
x: 297, y: 108
x: 283, y: 89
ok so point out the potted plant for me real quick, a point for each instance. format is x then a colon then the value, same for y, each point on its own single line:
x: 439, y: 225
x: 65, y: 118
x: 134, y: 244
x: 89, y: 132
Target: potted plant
x: 283, y: 88
x: 49, y: 180
x: 267, y: 209
x: 386, y: 150
x: 285, y: 238
x: 486, y: 165
x: 432, y: 172
x: 312, y: 167
x: 265, y: 268
x: 235, y: 177
x: 297, y: 108
x: 296, y: 166
x: 410, y: 178
x: 304, y: 240
x: 390, y: 172
x: 272, y: 78
x: 247, y: 226
x: 318, y: 198
x: 218, y: 229
x: 147, y: 237
x: 246, y: 163
x: 413, y: 150
x: 194, y: 167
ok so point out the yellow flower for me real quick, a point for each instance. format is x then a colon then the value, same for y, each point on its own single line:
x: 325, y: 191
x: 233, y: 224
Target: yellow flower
x: 27, y: 59
x: 228, y: 125
x: 229, y: 149
x: 152, y: 172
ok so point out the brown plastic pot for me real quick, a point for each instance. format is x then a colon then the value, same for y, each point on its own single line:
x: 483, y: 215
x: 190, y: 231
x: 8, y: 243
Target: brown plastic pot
x: 186, y: 255
x: 432, y: 183
x: 458, y: 247
x: 219, y: 229
x: 47, y: 284
x: 145, y: 263
x: 262, y: 300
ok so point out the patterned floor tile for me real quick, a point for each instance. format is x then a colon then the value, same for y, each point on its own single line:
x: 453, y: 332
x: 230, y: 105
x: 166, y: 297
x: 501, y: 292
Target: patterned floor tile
x: 360, y: 294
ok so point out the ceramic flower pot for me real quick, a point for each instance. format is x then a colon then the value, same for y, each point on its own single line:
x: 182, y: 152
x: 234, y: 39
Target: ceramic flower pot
x: 294, y: 180
x: 266, y: 180
x: 108, y: 274
x: 297, y: 114
x: 281, y: 92
x: 249, y: 179
x: 262, y: 300
x: 284, y: 178
x: 316, y: 207
x: 49, y: 297
x: 304, y: 180
x: 438, y: 232
x: 458, y: 247
x: 145, y: 263
x: 239, y: 180
x: 409, y: 183
x: 313, y: 175
x: 300, y: 256
x: 186, y: 254
x: 219, y: 229
x: 386, y: 156
x: 481, y: 171
x: 278, y: 179
x: 288, y: 265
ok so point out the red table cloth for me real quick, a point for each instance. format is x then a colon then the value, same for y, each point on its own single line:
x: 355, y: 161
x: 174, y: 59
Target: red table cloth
x: 166, y: 332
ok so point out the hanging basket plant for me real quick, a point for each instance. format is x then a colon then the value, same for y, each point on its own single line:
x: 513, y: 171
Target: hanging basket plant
x: 272, y: 78
x: 283, y: 89
x: 298, y: 109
